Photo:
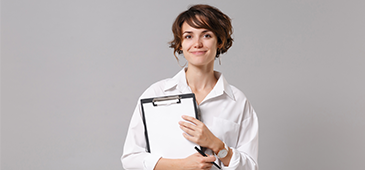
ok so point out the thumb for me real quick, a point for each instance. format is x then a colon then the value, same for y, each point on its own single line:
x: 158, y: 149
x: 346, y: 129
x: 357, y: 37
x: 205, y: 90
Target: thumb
x: 210, y: 158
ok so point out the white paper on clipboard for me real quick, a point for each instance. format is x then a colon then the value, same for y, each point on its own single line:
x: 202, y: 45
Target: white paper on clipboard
x: 162, y: 130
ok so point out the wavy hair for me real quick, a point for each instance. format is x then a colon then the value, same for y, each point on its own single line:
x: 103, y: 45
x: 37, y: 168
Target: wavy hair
x: 207, y: 17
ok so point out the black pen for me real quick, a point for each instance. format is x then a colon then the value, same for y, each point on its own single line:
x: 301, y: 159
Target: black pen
x: 202, y: 153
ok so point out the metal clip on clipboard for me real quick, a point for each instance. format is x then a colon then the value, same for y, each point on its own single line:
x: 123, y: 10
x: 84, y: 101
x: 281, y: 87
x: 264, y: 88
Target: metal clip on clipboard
x: 166, y: 100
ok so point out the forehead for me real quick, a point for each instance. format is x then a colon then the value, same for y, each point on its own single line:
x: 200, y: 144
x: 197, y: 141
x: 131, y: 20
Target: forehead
x: 186, y: 28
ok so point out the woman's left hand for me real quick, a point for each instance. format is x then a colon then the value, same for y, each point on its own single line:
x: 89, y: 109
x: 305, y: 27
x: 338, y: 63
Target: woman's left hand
x: 197, y: 132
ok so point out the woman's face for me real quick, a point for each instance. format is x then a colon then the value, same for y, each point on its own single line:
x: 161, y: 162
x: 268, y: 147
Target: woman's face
x: 199, y: 46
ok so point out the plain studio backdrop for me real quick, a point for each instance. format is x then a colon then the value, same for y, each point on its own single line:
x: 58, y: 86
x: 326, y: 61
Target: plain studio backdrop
x: 72, y: 72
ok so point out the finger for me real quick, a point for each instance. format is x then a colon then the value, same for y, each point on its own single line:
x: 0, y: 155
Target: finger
x: 187, y: 130
x: 191, y: 119
x: 207, y: 166
x: 189, y: 138
x: 210, y: 158
x: 187, y: 125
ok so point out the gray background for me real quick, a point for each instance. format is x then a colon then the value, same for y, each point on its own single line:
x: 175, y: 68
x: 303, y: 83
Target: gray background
x: 72, y: 71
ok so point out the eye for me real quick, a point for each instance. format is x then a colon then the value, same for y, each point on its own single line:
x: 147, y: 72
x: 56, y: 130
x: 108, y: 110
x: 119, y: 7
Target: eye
x: 187, y: 36
x: 207, y: 36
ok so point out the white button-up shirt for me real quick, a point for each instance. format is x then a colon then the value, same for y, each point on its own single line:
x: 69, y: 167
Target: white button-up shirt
x: 225, y: 111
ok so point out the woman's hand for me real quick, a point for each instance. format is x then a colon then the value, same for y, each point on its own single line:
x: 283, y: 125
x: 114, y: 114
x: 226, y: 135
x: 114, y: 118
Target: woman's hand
x: 197, y: 132
x: 197, y: 161
x: 193, y: 162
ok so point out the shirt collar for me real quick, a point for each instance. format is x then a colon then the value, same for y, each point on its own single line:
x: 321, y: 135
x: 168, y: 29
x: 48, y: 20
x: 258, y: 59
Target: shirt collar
x: 222, y: 86
x: 179, y: 82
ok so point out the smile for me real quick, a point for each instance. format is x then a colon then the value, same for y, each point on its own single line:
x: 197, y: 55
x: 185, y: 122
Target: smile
x: 198, y: 52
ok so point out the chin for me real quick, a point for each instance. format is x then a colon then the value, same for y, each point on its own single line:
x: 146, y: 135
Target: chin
x: 199, y: 64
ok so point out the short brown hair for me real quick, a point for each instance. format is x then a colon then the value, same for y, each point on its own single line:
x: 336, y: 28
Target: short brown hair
x: 207, y: 17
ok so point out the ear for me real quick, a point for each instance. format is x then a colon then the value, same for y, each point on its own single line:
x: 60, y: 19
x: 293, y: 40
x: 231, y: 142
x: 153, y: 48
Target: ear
x: 180, y: 50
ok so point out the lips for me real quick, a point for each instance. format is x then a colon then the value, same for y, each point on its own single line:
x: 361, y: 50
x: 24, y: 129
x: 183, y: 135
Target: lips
x: 198, y: 52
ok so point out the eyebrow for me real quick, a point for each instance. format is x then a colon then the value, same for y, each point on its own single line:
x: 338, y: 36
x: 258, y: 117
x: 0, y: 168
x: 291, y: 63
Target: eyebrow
x: 189, y: 32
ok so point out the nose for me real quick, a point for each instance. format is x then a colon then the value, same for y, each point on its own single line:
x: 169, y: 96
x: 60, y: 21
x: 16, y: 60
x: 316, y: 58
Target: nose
x: 198, y: 43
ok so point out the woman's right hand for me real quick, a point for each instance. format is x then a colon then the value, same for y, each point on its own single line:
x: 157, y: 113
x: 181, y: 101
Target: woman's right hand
x: 192, y: 162
x: 197, y: 161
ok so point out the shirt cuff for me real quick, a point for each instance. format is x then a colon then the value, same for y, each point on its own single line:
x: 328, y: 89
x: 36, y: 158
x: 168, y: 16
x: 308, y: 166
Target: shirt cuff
x: 235, y: 160
x: 150, y: 161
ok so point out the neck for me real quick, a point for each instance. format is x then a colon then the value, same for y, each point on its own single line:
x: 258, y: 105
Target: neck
x: 200, y: 78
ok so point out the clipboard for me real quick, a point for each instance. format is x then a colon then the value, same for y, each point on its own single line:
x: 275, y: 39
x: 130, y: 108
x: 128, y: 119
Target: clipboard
x: 162, y: 131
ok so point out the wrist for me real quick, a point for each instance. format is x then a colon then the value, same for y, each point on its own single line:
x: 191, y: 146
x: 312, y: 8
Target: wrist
x: 217, y: 146
x: 223, y: 152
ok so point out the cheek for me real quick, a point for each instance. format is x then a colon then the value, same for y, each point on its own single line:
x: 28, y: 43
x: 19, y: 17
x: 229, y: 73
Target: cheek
x: 213, y: 44
x: 184, y: 45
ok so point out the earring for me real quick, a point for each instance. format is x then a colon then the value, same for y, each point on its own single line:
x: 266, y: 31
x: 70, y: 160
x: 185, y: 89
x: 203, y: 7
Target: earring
x: 178, y: 61
x: 218, y: 56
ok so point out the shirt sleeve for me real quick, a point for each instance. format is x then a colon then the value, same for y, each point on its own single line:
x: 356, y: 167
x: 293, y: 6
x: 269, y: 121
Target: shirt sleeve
x: 245, y: 155
x: 135, y: 155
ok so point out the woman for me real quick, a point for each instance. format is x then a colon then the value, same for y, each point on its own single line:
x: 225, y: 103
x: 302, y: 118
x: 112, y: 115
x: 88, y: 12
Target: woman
x: 228, y: 128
